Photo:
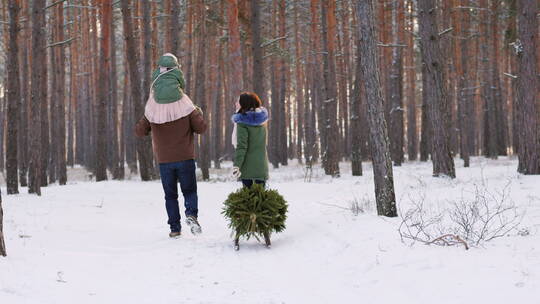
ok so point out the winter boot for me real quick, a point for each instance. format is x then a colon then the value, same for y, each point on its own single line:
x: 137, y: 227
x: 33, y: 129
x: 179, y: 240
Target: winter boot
x: 192, y: 222
x: 174, y: 234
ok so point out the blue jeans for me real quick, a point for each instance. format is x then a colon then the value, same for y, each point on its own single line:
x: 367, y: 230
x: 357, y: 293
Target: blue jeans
x: 171, y: 174
x: 249, y: 182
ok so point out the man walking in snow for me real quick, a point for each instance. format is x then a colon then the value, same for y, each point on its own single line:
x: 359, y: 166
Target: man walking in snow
x: 172, y: 118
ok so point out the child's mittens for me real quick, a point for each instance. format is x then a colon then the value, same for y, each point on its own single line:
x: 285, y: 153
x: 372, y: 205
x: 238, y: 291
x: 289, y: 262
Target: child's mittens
x: 236, y: 172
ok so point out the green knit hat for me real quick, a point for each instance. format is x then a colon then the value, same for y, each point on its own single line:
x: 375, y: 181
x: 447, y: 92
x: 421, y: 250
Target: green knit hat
x: 168, y: 60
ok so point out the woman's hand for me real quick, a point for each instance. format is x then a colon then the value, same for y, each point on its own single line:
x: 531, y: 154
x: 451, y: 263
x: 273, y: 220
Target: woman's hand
x: 236, y: 172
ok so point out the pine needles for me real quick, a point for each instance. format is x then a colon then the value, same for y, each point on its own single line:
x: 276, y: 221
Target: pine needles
x: 255, y: 211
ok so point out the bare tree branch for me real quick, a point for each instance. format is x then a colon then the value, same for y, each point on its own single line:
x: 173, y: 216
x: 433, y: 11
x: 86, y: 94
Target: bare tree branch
x: 55, y: 3
x: 61, y: 42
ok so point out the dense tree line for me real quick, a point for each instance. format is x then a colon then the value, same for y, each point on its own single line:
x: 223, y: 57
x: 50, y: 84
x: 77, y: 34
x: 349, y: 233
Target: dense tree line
x: 453, y: 78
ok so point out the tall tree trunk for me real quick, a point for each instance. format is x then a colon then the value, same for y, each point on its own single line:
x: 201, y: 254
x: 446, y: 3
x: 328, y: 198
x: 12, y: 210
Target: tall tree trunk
x: 313, y: 77
x: 395, y: 84
x: 117, y: 161
x: 425, y: 135
x: 144, y: 148
x: 13, y: 88
x: 283, y: 157
x: 342, y: 77
x: 299, y: 93
x: 445, y: 9
x: 235, y: 55
x: 331, y: 147
x: 104, y: 97
x: 500, y: 104
x: 200, y: 88
x: 95, y: 91
x: 175, y: 28
x: 3, y: 251
x: 3, y: 110
x: 527, y: 53
x: 44, y: 105
x: 147, y: 55
x: 36, y: 62
x: 356, y: 125
x: 258, y: 64
x: 235, y: 83
x: 130, y: 144
x: 410, y: 63
x: 443, y: 163
x: 382, y: 163
x: 512, y: 90
x: 490, y: 118
x: 217, y: 107
x: 189, y: 46
x: 276, y: 111
x: 22, y: 132
x: 465, y: 110
x: 53, y: 99
x: 60, y: 149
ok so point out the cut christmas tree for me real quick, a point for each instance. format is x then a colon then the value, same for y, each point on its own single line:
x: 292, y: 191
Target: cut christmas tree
x: 255, y: 212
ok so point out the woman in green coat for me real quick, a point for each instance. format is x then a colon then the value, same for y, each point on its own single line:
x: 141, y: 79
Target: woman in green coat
x: 249, y: 139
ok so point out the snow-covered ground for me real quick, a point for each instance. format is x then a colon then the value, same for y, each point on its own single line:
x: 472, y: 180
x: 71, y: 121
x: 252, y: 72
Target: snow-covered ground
x: 107, y: 242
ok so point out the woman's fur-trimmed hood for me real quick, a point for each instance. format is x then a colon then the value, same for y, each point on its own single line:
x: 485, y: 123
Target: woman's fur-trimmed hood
x: 252, y: 118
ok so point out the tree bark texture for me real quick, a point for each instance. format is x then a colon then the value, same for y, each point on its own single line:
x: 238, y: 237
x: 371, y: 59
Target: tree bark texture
x: 3, y: 251
x: 13, y: 97
x: 527, y: 53
x: 395, y: 84
x: 200, y: 87
x: 330, y: 149
x: 443, y: 163
x: 104, y: 97
x: 382, y: 163
x: 37, y: 73
x: 144, y: 148
x: 257, y: 50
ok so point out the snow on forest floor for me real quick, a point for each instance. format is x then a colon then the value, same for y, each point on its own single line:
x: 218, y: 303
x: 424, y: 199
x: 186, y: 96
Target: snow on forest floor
x: 107, y: 242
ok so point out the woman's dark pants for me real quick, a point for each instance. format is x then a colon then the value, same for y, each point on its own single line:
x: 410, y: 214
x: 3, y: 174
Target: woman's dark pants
x: 249, y: 182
